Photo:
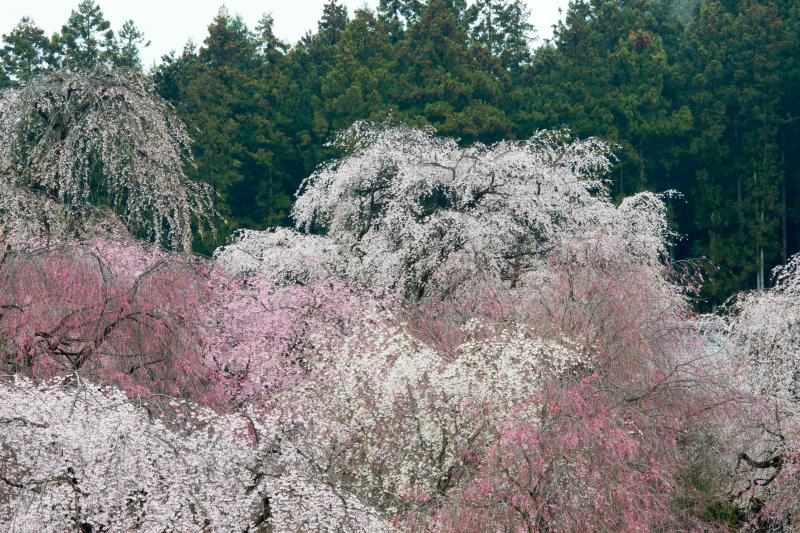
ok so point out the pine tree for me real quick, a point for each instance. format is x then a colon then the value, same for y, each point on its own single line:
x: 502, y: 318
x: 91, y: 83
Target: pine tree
x: 397, y: 14
x: 128, y: 45
x: 502, y: 28
x: 25, y: 51
x: 614, y: 78
x: 311, y: 61
x: 358, y: 88
x: 229, y: 92
x: 439, y: 81
x: 738, y: 51
x: 333, y: 22
x: 86, y: 41
x: 268, y: 44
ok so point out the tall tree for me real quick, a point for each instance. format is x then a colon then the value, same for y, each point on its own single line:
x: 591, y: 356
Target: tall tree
x: 358, y: 88
x: 229, y: 92
x: 736, y: 49
x: 86, y: 40
x: 62, y: 137
x: 270, y: 46
x: 333, y: 22
x: 397, y: 14
x: 502, y: 28
x: 25, y: 52
x: 614, y: 78
x: 127, y: 47
x: 439, y: 82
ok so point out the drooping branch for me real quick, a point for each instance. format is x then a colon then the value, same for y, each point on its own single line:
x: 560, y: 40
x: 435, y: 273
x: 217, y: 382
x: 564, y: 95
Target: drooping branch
x: 76, y: 137
x: 409, y: 210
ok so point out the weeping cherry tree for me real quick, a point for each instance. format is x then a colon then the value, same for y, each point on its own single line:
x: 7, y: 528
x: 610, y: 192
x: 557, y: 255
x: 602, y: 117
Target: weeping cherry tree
x: 409, y: 210
x: 71, y: 140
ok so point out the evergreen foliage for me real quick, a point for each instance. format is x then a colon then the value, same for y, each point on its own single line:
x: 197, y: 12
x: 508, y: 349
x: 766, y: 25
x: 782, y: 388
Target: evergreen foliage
x: 698, y: 96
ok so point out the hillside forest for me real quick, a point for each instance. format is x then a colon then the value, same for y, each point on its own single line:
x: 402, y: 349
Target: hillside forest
x: 417, y: 272
x: 699, y: 97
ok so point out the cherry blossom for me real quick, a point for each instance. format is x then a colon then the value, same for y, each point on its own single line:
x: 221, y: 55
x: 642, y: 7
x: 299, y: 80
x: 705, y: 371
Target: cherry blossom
x: 75, y: 456
x: 407, y: 209
x: 766, y: 326
x: 452, y: 339
x: 763, y: 333
x: 106, y: 124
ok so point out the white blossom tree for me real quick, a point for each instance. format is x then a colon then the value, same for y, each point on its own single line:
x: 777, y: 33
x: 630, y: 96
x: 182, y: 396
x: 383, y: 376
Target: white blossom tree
x: 765, y: 326
x: 78, y: 138
x: 763, y: 335
x: 409, y: 210
x: 78, y: 457
x: 393, y: 418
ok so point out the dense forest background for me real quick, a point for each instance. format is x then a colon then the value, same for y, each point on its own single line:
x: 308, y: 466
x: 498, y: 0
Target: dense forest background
x: 700, y: 96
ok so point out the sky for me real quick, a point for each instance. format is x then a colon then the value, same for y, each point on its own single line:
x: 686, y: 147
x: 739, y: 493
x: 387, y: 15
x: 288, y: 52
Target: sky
x: 168, y: 24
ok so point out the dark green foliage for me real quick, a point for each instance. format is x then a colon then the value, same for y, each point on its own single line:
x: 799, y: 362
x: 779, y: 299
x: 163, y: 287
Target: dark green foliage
x: 501, y: 29
x: 699, y: 96
x: 127, y: 48
x: 25, y: 52
x: 86, y: 41
x: 229, y: 93
x: 699, y: 103
x: 739, y: 55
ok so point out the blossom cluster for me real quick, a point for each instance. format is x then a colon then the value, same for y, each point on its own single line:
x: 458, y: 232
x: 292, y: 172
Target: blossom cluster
x: 74, y: 455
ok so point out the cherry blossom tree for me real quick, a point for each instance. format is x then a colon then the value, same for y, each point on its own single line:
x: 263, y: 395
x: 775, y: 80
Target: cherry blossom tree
x: 264, y: 337
x: 27, y: 214
x: 81, y: 457
x: 78, y: 138
x: 154, y: 322
x: 288, y: 256
x: 407, y: 209
x: 394, y: 417
x: 580, y: 465
x: 766, y: 325
x: 113, y: 311
x: 764, y: 334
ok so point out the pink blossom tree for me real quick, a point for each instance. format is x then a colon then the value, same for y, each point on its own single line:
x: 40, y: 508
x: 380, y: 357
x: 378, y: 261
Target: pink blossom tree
x: 579, y: 463
x: 119, y: 312
x: 154, y: 322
